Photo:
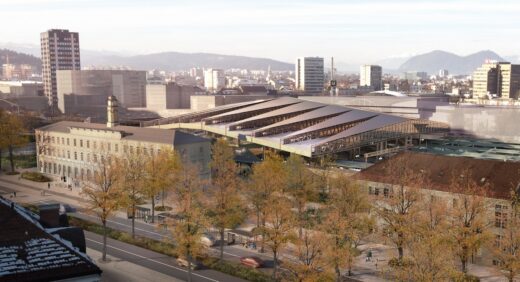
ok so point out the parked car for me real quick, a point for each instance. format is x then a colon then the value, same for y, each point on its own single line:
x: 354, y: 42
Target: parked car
x: 182, y: 262
x: 254, y: 262
x: 208, y: 240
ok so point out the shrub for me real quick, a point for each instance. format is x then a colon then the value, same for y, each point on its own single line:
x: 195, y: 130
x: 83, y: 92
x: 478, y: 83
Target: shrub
x: 35, y: 176
x: 236, y: 270
x: 163, y: 208
x: 395, y: 263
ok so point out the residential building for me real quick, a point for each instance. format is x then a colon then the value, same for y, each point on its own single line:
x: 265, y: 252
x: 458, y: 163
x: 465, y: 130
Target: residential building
x: 497, y: 80
x: 371, y: 75
x: 70, y: 149
x: 214, y: 79
x: 310, y: 76
x: 60, y: 51
x: 10, y: 89
x: 85, y: 91
x: 16, y: 72
x: 443, y: 73
x: 485, y: 80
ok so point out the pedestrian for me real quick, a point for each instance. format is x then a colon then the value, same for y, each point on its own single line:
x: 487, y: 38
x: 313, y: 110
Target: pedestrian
x: 48, y: 185
x: 14, y: 194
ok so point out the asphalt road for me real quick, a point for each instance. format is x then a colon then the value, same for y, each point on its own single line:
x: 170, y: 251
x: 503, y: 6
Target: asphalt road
x: 152, y: 260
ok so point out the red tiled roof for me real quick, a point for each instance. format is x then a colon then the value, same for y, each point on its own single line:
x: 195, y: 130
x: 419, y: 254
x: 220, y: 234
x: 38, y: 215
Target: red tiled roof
x: 498, y: 177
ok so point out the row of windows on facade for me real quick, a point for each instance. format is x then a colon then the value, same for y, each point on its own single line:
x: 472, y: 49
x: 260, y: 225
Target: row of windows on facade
x: 87, y: 144
x: 500, y: 210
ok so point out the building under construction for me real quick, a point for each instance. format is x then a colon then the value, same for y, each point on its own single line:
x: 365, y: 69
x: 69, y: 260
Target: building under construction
x: 308, y: 128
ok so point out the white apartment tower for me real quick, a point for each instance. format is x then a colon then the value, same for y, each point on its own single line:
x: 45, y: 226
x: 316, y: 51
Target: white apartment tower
x: 310, y: 75
x: 371, y: 75
x: 214, y: 79
x: 60, y: 51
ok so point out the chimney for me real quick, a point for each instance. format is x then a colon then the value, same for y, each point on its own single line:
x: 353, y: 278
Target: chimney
x: 112, y: 111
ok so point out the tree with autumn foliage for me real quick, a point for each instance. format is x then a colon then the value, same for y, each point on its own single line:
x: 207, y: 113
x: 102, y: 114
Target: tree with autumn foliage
x: 397, y: 206
x: 132, y: 182
x: 160, y: 172
x: 226, y: 207
x: 191, y: 222
x: 347, y: 221
x: 311, y: 254
x: 268, y: 177
x: 278, y: 231
x: 102, y: 192
x: 300, y: 186
x: 469, y: 221
x: 429, y: 246
x: 506, y: 248
x: 11, y: 134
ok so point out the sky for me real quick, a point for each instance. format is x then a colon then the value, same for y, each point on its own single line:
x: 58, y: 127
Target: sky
x: 353, y: 31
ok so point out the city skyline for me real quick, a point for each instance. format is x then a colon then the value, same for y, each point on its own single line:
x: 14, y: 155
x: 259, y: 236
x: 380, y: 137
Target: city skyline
x: 346, y: 30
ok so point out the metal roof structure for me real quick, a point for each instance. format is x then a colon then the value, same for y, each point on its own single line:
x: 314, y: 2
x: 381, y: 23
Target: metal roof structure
x: 306, y: 128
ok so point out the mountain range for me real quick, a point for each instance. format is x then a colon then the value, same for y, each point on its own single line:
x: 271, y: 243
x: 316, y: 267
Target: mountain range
x: 430, y: 62
x: 434, y: 61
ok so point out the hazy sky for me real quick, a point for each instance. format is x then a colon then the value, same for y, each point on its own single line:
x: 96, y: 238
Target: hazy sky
x: 352, y: 31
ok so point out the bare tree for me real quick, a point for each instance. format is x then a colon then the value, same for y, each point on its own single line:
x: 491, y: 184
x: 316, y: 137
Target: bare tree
x: 102, y: 196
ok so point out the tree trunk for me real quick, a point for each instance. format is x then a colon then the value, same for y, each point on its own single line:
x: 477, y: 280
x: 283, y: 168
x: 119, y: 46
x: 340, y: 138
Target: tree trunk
x: 153, y: 208
x: 338, y: 272
x: 188, y: 258
x: 104, y: 257
x: 401, y: 253
x: 464, y: 260
x: 221, y: 244
x: 133, y: 221
x: 275, y: 264
x: 300, y: 223
x: 11, y: 160
x: 263, y: 235
x: 0, y: 160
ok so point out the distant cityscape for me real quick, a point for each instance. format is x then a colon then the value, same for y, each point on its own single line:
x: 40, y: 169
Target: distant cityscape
x: 237, y: 174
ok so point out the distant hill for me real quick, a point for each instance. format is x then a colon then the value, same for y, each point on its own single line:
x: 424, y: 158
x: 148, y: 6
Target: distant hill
x: 20, y: 58
x: 434, y: 61
x: 175, y: 61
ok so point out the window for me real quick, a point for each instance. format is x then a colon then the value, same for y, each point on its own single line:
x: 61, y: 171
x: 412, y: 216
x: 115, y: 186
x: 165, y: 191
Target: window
x: 68, y: 154
x: 500, y: 216
x: 116, y: 148
x: 95, y: 145
x: 109, y: 147
x: 62, y: 141
x: 81, y: 143
x: 68, y: 142
x: 88, y: 144
x: 75, y: 155
x: 52, y: 139
x: 82, y: 156
x: 386, y: 192
x: 376, y: 192
x: 74, y: 142
x: 370, y: 190
x: 201, y: 149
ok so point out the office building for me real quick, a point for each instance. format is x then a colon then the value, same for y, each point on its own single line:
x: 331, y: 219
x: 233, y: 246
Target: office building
x: 497, y: 80
x: 310, y: 75
x: 79, y: 90
x: 60, y: 51
x: 170, y: 96
x: 443, y: 73
x: 371, y: 75
x: 70, y: 149
x: 214, y: 79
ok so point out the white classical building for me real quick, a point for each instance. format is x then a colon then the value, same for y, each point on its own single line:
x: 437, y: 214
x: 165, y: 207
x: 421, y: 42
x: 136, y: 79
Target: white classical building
x: 70, y: 148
